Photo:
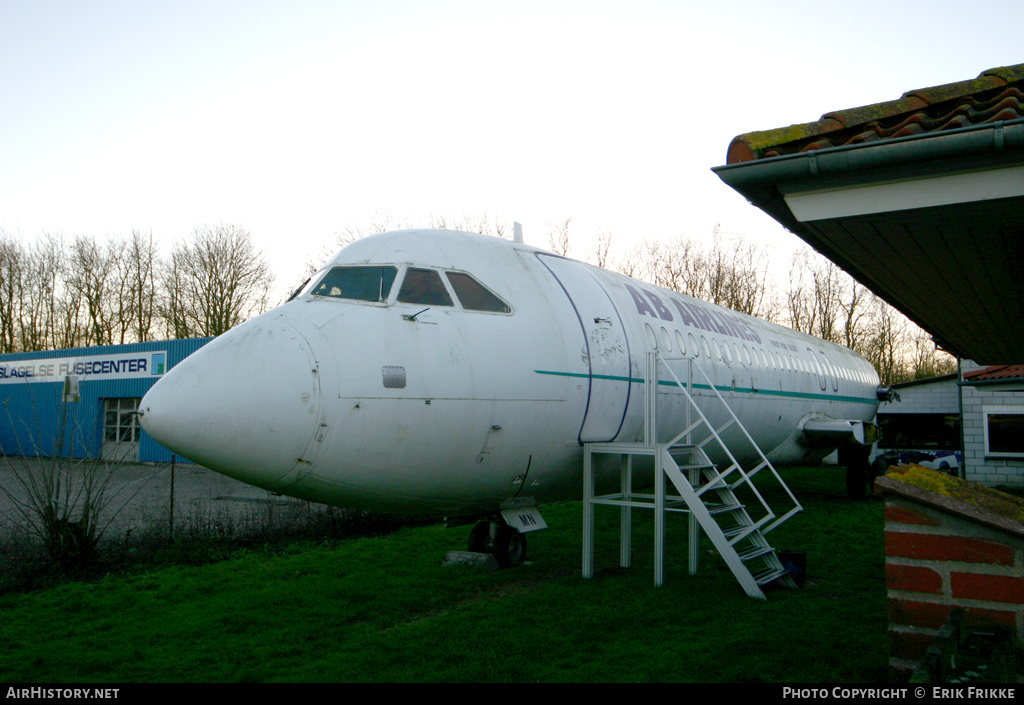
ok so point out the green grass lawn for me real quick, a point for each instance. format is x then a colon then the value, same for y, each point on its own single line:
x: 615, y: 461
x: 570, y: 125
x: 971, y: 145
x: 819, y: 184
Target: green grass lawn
x: 384, y: 609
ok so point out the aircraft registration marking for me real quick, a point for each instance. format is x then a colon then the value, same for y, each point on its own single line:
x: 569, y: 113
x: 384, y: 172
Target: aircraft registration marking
x: 524, y: 519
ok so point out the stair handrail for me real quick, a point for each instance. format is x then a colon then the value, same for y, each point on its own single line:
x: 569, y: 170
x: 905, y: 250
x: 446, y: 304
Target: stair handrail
x: 765, y: 461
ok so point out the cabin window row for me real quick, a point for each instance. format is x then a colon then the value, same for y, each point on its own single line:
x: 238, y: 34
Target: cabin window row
x: 731, y: 351
x: 420, y: 286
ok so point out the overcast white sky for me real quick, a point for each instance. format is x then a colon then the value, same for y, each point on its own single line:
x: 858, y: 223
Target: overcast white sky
x: 297, y: 119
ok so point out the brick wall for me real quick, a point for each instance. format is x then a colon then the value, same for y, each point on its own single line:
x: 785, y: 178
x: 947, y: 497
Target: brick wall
x: 941, y: 554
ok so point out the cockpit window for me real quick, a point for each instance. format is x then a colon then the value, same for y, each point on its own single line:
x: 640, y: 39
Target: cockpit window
x: 360, y: 283
x: 424, y: 286
x: 473, y: 296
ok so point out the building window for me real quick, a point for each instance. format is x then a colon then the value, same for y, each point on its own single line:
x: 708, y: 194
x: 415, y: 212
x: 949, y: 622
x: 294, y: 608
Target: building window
x: 919, y: 431
x: 1004, y: 431
x: 121, y: 430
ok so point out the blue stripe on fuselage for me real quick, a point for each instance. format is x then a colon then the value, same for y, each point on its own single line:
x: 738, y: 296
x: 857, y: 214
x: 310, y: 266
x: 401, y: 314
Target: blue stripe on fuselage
x: 742, y: 390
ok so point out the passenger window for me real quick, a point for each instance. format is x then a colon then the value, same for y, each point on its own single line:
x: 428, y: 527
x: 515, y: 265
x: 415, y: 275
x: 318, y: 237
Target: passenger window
x: 424, y: 286
x: 473, y: 296
x: 359, y: 283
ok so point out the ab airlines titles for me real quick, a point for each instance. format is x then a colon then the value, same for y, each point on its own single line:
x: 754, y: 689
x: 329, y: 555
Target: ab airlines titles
x: 456, y: 374
x: 693, y: 315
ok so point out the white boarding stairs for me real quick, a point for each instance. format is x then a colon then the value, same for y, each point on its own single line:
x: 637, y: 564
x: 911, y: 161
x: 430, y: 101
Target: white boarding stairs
x: 705, y: 492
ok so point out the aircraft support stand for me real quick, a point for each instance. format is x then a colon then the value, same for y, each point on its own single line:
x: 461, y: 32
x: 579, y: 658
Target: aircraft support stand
x: 704, y: 491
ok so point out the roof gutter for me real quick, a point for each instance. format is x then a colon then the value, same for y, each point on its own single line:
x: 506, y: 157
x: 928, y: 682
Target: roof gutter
x: 989, y: 382
x: 997, y: 138
x: 761, y: 181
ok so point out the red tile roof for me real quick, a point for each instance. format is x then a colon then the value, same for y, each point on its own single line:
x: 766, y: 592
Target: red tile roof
x: 995, y: 372
x: 997, y: 94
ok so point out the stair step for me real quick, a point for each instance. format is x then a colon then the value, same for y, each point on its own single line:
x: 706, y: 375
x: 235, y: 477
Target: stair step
x: 696, y: 467
x: 738, y: 533
x: 770, y: 575
x: 716, y: 508
x: 754, y: 552
x: 740, y: 530
x: 716, y: 484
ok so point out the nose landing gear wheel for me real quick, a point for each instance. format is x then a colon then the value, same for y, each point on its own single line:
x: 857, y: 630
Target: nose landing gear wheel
x: 506, y: 544
x: 480, y: 537
x: 509, y: 546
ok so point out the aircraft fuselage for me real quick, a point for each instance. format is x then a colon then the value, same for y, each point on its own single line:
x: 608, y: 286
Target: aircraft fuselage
x: 445, y: 373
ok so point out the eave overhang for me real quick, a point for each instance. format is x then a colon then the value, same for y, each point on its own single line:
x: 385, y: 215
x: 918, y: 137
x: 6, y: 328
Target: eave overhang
x: 933, y: 223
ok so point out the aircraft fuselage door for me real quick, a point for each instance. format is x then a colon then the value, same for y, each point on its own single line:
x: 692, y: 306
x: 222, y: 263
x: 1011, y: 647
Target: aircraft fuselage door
x: 605, y: 348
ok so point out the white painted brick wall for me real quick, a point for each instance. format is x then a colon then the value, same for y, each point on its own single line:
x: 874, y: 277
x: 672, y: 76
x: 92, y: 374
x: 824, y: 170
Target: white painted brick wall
x: 978, y: 468
x: 927, y: 398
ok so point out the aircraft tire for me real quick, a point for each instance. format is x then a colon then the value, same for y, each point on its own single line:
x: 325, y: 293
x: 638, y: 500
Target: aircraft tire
x: 478, y: 537
x: 509, y: 546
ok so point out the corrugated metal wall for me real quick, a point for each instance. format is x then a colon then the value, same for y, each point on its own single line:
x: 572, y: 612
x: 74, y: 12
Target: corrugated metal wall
x: 34, y: 419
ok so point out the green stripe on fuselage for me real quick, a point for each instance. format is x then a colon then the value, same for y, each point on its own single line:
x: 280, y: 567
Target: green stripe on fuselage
x: 742, y: 390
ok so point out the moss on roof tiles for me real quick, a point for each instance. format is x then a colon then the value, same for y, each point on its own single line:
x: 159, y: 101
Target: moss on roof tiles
x: 756, y: 145
x: 1010, y: 74
x: 979, y: 496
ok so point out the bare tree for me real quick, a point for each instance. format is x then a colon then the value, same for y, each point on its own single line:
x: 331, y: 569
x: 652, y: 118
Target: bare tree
x: 602, y: 248
x: 810, y: 300
x: 824, y: 301
x: 928, y: 360
x: 214, y: 282
x: 855, y: 314
x: 139, y: 269
x: 730, y: 273
x: 736, y: 275
x: 479, y: 223
x: 171, y: 298
x: 558, y: 236
x: 12, y: 262
x: 89, y: 277
x: 49, y: 316
x: 670, y: 264
x: 632, y: 263
x: 886, y: 347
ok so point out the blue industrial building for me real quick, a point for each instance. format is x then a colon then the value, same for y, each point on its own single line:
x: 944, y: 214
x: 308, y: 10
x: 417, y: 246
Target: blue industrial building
x: 82, y: 402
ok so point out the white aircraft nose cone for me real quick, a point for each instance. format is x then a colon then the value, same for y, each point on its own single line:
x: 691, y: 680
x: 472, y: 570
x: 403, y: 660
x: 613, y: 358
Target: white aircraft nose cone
x: 246, y: 404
